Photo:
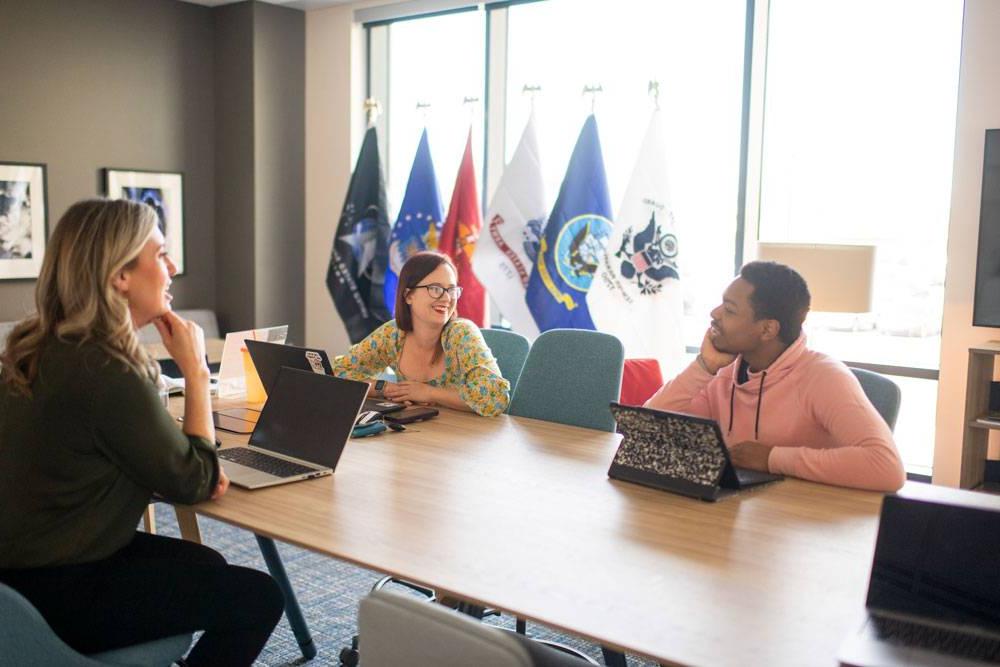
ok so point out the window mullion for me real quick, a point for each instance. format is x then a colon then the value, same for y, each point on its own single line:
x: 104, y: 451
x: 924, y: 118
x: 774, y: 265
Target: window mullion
x: 753, y: 132
x: 496, y: 101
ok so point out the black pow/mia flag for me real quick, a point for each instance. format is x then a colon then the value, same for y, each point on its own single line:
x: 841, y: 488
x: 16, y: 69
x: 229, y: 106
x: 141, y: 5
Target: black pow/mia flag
x: 356, y: 275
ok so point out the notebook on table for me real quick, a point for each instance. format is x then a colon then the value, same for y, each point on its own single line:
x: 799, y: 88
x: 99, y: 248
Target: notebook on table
x: 301, y: 431
x: 680, y: 453
x: 934, y: 593
x: 269, y: 358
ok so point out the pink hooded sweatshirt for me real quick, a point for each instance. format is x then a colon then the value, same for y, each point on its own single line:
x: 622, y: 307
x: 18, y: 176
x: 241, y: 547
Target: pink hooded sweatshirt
x: 808, y: 407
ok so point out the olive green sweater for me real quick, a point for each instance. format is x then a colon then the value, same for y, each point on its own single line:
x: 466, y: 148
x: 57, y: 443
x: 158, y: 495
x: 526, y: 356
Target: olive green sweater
x: 80, y: 459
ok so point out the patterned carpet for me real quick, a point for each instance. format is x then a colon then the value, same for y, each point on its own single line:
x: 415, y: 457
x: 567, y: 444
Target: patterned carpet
x: 328, y: 591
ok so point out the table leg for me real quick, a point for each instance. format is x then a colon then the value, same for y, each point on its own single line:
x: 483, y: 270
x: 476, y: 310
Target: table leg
x: 613, y: 658
x: 295, y: 618
x: 187, y: 521
x: 149, y: 519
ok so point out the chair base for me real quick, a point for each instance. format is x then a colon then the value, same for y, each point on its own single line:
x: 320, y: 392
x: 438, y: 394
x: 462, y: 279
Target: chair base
x: 160, y: 652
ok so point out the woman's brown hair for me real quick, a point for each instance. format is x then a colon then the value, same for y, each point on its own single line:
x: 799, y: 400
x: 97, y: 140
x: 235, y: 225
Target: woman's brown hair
x: 416, y: 269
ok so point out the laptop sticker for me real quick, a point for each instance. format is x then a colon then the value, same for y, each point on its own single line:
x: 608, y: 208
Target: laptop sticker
x: 315, y: 361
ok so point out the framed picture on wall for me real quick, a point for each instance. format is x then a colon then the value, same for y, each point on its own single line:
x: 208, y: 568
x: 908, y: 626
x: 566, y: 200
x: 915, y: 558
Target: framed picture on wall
x: 23, y: 219
x: 162, y: 190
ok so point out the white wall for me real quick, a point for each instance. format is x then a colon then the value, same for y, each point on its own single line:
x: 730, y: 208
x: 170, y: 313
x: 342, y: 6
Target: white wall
x: 978, y: 109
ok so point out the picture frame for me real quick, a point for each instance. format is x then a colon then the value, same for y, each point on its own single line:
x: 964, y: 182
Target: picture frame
x: 24, y: 210
x: 164, y: 191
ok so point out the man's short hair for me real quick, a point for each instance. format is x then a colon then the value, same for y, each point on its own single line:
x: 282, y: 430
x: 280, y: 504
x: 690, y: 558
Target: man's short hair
x: 779, y: 293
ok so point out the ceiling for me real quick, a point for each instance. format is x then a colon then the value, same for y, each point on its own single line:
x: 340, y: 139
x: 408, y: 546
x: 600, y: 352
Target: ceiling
x: 294, y: 4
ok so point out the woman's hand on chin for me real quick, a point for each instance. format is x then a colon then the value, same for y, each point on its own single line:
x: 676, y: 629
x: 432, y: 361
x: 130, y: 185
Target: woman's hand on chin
x: 409, y: 392
x: 185, y: 341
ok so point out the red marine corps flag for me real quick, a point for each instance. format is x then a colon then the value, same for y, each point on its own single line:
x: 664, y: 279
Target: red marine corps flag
x: 459, y: 235
x: 514, y: 222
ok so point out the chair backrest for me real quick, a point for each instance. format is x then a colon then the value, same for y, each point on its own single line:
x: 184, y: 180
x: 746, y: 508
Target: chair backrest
x: 26, y: 639
x: 641, y: 378
x: 395, y: 629
x: 882, y: 392
x: 510, y: 349
x: 570, y: 377
x: 202, y: 317
x: 5, y: 329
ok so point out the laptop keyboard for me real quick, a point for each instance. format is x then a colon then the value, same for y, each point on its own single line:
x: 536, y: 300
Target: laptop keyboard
x: 936, y: 639
x: 269, y: 464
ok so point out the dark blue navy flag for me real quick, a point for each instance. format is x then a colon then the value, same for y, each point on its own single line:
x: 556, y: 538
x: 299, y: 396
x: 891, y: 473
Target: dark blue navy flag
x: 421, y: 215
x: 356, y: 275
x: 574, y: 239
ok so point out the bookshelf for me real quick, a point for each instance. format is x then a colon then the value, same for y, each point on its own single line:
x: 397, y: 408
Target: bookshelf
x: 978, y: 425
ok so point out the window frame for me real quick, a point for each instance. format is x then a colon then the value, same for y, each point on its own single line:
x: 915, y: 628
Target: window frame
x: 754, y: 86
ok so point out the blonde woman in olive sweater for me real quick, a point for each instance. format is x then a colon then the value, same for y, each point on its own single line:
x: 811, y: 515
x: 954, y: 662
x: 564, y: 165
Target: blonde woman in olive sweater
x: 85, y: 442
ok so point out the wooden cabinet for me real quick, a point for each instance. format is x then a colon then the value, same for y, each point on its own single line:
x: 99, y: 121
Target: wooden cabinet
x: 977, y: 422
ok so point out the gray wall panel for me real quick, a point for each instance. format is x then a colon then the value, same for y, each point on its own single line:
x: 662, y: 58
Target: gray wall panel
x: 279, y: 131
x: 120, y: 83
x: 234, y: 140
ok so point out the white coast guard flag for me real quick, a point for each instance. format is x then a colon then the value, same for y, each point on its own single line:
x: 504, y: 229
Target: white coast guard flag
x: 636, y: 293
x: 508, y: 243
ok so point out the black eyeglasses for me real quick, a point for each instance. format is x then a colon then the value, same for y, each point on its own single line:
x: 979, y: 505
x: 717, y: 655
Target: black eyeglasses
x: 437, y: 291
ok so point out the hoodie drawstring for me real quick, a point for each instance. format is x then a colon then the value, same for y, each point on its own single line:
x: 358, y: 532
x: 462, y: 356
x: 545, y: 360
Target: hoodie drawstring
x: 732, y: 395
x: 760, y: 398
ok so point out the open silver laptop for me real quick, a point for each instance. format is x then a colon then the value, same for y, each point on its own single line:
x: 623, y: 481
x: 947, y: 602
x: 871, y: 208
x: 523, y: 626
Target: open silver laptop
x: 934, y: 593
x: 301, y: 433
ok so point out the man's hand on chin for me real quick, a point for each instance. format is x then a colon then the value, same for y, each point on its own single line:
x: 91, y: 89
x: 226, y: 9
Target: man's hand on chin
x: 750, y: 454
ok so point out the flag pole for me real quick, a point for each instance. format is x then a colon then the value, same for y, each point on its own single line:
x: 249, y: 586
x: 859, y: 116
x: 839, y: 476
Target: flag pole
x: 373, y: 108
x: 422, y: 108
x: 654, y: 90
x: 531, y: 91
x: 592, y: 91
x: 470, y: 102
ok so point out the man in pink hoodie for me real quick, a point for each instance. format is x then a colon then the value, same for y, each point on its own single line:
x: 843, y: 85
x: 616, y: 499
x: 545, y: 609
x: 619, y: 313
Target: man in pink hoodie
x: 782, y: 407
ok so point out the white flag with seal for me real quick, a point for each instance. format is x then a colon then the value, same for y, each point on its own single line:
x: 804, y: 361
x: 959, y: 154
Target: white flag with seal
x: 636, y: 292
x: 508, y: 243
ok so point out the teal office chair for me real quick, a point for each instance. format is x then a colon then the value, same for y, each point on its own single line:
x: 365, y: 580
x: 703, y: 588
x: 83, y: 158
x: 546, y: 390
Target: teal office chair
x: 510, y: 349
x: 570, y: 377
x: 26, y: 639
x: 882, y: 392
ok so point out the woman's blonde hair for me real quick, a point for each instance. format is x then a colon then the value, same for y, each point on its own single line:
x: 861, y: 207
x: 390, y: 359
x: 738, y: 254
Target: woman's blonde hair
x: 75, y: 299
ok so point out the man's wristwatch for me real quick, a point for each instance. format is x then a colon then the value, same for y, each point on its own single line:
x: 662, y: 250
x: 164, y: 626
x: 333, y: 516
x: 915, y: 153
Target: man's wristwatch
x: 380, y: 387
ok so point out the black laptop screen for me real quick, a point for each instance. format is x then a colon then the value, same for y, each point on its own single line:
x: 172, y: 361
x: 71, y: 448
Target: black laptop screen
x: 309, y: 416
x: 937, y: 561
x: 269, y: 358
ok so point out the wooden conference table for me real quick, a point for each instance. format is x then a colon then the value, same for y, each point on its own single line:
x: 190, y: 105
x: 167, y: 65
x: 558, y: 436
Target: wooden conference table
x: 520, y: 515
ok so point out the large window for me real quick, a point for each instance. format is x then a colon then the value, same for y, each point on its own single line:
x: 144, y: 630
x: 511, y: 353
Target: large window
x: 847, y: 125
x: 694, y: 51
x: 859, y: 123
x: 418, y: 52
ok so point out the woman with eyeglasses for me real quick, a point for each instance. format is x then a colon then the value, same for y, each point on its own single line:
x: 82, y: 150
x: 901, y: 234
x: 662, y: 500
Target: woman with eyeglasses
x: 438, y: 359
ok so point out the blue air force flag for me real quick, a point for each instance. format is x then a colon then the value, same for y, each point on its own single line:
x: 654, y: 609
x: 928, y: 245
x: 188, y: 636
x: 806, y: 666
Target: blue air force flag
x: 360, y: 247
x: 420, y: 218
x: 571, y: 246
x: 636, y: 294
